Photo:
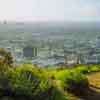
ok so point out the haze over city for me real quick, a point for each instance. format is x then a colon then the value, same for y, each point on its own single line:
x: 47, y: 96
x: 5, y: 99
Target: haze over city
x: 50, y: 10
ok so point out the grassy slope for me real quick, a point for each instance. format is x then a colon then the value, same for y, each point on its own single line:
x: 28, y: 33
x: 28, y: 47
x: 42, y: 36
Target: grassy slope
x: 24, y: 78
x: 93, y: 75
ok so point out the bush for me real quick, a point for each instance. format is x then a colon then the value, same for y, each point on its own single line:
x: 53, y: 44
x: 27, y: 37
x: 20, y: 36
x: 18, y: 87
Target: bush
x: 72, y: 80
x: 27, y: 80
x: 76, y: 81
x: 82, y: 70
x: 87, y: 69
x: 94, y: 68
x: 5, y: 77
x: 42, y: 84
x: 56, y: 94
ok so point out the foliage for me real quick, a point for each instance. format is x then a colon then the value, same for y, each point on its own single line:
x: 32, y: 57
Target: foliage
x: 26, y: 81
x: 36, y: 83
x: 4, y: 76
x: 56, y: 94
x: 87, y: 69
x: 71, y: 79
x: 5, y: 57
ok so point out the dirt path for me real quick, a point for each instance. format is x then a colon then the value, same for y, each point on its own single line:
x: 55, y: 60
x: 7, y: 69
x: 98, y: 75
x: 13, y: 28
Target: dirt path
x: 94, y: 81
x: 94, y: 87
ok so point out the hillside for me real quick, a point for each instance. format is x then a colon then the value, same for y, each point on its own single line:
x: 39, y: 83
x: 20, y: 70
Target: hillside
x: 28, y: 82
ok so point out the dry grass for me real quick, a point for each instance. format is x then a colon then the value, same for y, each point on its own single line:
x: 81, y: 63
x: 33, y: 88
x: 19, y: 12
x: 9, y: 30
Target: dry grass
x: 94, y: 81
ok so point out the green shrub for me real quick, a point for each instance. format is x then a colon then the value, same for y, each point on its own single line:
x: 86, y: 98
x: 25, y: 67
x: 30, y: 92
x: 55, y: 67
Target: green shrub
x: 43, y: 84
x: 5, y: 77
x: 82, y: 70
x: 87, y: 69
x: 76, y: 81
x: 24, y: 80
x: 94, y: 68
x: 72, y: 79
x: 57, y: 94
x: 29, y: 81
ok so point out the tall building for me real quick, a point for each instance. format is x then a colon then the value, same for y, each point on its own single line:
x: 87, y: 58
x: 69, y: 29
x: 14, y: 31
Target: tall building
x: 30, y: 52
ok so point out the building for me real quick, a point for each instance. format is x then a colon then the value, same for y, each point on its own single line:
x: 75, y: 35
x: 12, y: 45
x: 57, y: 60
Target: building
x: 30, y: 52
x: 93, y: 59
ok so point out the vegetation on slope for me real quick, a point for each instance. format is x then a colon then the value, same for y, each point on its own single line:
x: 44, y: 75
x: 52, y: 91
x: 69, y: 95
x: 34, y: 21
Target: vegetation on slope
x: 28, y: 82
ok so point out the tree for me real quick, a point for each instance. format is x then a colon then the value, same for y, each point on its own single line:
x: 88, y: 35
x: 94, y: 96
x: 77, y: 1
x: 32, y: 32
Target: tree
x: 5, y: 57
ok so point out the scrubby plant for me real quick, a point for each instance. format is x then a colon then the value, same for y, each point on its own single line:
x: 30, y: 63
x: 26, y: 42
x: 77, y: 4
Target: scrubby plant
x: 25, y: 80
x: 72, y: 80
x: 76, y: 81
x: 87, y: 69
x: 4, y: 76
x: 57, y: 94
x: 94, y: 68
x: 5, y: 57
x: 82, y: 69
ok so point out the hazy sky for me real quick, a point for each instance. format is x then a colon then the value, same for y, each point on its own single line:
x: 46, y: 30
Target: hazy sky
x: 50, y: 10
